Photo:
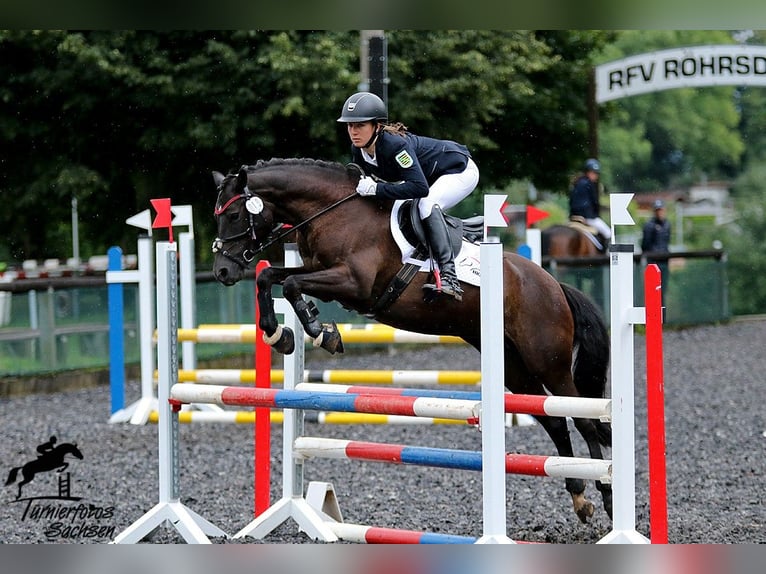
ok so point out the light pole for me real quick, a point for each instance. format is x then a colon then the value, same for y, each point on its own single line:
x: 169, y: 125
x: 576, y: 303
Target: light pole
x: 75, y: 234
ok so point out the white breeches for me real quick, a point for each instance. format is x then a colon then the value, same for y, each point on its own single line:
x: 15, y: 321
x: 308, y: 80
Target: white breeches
x: 450, y: 189
x: 601, y: 225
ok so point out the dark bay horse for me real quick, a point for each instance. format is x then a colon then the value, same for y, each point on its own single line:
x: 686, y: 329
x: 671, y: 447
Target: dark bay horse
x: 569, y: 241
x: 53, y: 460
x: 555, y: 339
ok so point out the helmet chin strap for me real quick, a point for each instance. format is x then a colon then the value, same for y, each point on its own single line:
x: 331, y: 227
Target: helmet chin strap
x: 373, y: 137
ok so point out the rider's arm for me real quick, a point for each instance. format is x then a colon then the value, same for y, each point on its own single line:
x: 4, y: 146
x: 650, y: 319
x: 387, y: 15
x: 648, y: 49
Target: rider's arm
x: 400, y: 167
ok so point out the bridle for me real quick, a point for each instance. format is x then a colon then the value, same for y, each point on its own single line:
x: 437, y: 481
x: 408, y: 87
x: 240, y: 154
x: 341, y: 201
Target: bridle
x: 254, y: 208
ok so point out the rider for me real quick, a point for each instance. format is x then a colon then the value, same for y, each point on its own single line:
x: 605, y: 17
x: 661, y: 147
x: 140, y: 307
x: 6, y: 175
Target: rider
x: 583, y: 199
x: 440, y: 172
x: 46, y: 447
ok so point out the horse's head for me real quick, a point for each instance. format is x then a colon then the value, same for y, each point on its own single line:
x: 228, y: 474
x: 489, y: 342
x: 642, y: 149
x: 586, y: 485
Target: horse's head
x: 243, y: 220
x: 69, y: 448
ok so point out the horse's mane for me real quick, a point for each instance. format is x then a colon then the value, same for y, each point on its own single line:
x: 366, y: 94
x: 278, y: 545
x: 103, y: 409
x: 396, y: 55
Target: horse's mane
x: 295, y: 161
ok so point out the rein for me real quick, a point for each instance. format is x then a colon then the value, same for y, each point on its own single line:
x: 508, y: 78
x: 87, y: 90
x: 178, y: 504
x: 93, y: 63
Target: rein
x: 302, y: 223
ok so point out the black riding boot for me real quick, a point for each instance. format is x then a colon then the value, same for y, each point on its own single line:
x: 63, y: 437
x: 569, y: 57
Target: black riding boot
x: 604, y: 243
x: 441, y: 249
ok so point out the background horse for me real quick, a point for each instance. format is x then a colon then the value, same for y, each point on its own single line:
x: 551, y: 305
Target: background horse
x: 555, y: 338
x: 48, y: 461
x: 568, y: 241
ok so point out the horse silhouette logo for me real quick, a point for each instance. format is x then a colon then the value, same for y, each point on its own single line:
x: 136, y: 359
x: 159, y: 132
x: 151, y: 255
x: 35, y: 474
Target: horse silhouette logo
x: 50, y: 457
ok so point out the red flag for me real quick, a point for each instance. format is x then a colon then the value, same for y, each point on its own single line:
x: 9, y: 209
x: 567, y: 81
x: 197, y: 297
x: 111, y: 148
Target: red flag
x: 534, y: 215
x: 164, y: 215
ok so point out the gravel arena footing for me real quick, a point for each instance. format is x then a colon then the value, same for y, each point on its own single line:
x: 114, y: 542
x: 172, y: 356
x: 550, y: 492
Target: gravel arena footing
x: 715, y: 432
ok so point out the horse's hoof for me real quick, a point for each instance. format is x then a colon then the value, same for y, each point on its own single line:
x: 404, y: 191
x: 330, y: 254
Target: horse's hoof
x: 329, y: 339
x: 585, y: 511
x: 282, y: 341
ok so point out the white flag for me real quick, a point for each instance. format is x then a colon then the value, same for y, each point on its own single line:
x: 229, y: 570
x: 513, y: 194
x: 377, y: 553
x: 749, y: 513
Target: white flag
x: 183, y: 215
x: 142, y: 220
x: 493, y: 211
x: 618, y: 209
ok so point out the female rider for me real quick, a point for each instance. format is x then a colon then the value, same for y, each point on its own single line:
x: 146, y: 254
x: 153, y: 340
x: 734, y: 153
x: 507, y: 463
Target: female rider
x: 440, y: 172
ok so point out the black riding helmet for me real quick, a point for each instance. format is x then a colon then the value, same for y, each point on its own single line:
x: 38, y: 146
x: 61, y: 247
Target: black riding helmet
x: 363, y: 107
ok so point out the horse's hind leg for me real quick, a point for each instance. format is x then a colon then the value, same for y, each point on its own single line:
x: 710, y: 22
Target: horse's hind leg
x: 587, y: 428
x: 557, y: 429
x: 27, y: 480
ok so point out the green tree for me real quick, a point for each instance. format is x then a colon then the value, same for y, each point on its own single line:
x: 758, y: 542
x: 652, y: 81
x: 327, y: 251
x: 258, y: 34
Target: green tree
x: 115, y: 118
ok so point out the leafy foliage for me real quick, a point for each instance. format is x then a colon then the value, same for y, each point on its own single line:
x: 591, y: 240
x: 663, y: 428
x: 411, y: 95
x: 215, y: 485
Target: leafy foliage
x: 115, y: 118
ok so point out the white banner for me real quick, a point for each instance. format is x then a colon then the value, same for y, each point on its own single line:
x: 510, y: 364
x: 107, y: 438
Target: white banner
x: 718, y: 65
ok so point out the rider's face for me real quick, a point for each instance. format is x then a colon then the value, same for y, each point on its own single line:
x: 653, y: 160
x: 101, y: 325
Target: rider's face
x: 360, y: 132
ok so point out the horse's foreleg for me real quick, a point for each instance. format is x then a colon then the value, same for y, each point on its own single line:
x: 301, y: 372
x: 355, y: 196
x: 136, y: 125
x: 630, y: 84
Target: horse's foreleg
x: 63, y: 467
x: 324, y: 335
x: 556, y: 427
x: 280, y: 338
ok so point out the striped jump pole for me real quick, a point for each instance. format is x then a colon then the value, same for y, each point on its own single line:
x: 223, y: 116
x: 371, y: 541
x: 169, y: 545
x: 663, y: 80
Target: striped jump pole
x: 375, y: 535
x: 317, y: 417
x: 543, y: 405
x: 306, y: 400
x: 223, y: 416
x: 339, y: 376
x: 372, y: 333
x: 455, y: 459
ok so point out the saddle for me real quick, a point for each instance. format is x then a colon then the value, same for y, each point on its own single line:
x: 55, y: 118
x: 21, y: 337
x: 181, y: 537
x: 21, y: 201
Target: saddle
x: 578, y: 222
x: 472, y: 228
x: 408, y: 218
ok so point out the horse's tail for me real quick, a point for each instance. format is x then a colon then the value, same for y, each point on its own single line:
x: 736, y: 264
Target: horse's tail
x: 12, y: 476
x: 591, y: 359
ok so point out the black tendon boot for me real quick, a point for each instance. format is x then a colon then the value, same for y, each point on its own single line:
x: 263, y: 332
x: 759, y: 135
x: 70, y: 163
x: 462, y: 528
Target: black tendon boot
x: 441, y: 249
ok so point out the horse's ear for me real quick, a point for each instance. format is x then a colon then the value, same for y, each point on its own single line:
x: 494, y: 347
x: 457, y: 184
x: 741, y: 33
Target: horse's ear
x: 217, y: 178
x: 242, y: 177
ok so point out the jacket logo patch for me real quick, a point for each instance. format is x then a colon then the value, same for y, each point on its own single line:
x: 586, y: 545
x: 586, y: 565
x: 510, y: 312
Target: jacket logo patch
x: 404, y: 159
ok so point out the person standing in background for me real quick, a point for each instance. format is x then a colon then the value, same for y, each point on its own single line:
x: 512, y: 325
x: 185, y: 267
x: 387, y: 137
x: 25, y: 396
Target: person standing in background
x: 656, y: 239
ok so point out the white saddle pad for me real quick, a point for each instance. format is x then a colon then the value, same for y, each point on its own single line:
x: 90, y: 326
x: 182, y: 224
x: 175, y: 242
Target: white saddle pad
x: 467, y: 263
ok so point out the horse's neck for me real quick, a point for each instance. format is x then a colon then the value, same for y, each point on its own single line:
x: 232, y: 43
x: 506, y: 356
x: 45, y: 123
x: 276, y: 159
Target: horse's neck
x: 297, y: 198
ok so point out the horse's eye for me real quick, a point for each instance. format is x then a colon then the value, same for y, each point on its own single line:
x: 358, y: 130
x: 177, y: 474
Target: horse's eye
x: 234, y: 216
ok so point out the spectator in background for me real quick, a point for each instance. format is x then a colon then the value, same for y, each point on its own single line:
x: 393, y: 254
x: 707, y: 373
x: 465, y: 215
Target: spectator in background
x: 656, y: 239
